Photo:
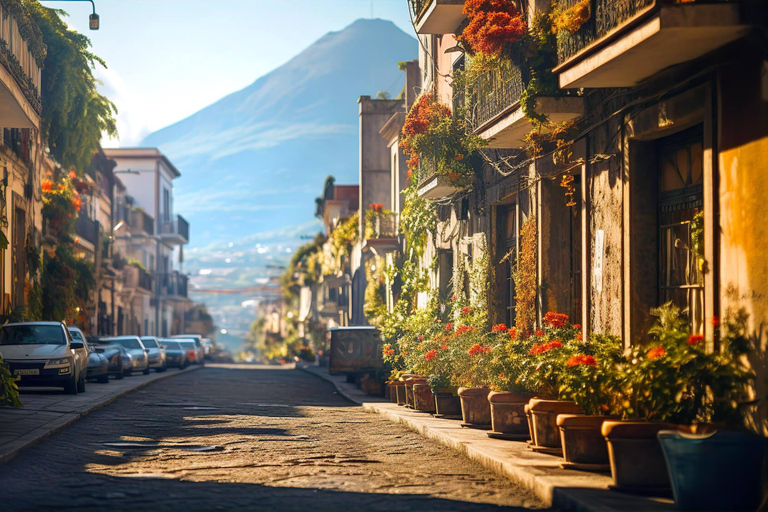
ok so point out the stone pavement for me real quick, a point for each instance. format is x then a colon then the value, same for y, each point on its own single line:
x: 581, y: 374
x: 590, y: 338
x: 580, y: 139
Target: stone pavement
x: 47, y: 410
x: 562, y: 488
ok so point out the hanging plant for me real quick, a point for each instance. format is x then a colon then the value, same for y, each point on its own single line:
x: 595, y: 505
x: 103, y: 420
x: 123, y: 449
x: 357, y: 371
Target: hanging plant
x: 437, y: 142
x: 493, y: 26
x: 572, y: 18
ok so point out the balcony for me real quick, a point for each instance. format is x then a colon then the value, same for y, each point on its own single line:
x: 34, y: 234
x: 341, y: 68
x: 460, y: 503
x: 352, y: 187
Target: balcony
x: 137, y: 279
x: 173, y: 286
x: 492, y: 106
x: 436, y: 16
x: 22, y: 54
x: 87, y: 229
x: 381, y: 232
x: 628, y: 41
x: 175, y: 231
x: 140, y: 221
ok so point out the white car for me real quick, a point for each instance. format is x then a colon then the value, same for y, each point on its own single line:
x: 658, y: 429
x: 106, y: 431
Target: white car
x: 44, y: 354
x: 198, y: 341
x: 134, y: 346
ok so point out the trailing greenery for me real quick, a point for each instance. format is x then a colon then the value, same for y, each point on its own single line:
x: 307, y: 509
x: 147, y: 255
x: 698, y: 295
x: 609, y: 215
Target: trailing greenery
x: 524, y: 276
x: 75, y: 115
x: 9, y: 390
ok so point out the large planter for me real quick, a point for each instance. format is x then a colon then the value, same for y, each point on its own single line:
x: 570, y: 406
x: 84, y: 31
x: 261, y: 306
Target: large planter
x: 400, y: 393
x: 544, y: 417
x: 423, y: 399
x: 475, y: 408
x: 529, y: 419
x: 584, y: 446
x: 720, y: 471
x: 447, y: 405
x: 392, y: 392
x: 508, y: 418
x: 409, y: 382
x: 634, y: 452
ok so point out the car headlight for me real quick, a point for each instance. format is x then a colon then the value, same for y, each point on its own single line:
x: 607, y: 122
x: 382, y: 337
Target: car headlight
x: 58, y: 363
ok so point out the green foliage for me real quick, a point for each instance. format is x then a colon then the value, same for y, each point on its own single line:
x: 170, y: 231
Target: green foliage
x: 9, y: 390
x: 67, y: 283
x: 303, y: 269
x: 75, y: 115
x: 524, y: 275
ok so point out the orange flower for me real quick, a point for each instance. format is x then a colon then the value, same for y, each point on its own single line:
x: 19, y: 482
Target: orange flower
x: 656, y: 353
x: 444, y: 346
x: 499, y: 328
x: 421, y: 338
x: 715, y: 321
x: 539, y: 333
x: 581, y: 360
x: 72, y: 175
x: 430, y: 355
x: 466, y: 311
x: 478, y: 349
x: 449, y: 326
x: 555, y: 320
x: 46, y: 185
x: 695, y: 339
x: 492, y: 25
x: 513, y: 333
x: 459, y: 157
x: 580, y: 336
x: 543, y: 348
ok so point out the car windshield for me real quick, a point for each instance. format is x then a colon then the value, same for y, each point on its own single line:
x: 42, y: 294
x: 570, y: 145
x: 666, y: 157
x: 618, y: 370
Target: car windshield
x: 171, y: 345
x: 189, y: 345
x: 32, y: 335
x: 131, y: 343
x: 75, y: 335
x: 149, y: 342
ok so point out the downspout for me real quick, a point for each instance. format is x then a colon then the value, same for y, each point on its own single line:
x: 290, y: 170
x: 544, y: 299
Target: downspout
x: 157, y: 247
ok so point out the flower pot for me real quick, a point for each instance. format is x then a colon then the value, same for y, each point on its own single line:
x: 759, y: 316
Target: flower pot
x: 544, y: 415
x: 423, y: 399
x: 409, y: 381
x: 400, y: 392
x: 716, y: 471
x: 475, y: 409
x: 584, y: 446
x: 529, y: 418
x: 392, y: 392
x: 508, y: 418
x: 634, y: 452
x: 447, y: 405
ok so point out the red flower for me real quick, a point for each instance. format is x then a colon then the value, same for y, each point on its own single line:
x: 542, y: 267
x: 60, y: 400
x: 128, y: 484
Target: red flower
x: 579, y: 336
x: 444, y: 346
x: 581, y: 360
x: 502, y: 376
x: 543, y: 348
x: 715, y: 321
x: 46, y: 185
x: 555, y: 320
x: 513, y: 333
x: 577, y: 327
x: 656, y: 353
x: 449, y: 326
x: 499, y: 328
x: 421, y: 338
x: 466, y: 311
x: 492, y: 25
x: 478, y: 349
x: 539, y: 333
x: 72, y: 175
x: 453, y: 297
x: 430, y: 355
x: 463, y: 329
x: 695, y: 339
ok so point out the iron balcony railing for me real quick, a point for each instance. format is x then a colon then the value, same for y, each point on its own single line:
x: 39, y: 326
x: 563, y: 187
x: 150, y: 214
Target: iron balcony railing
x: 173, y: 284
x: 22, y: 54
x: 87, y: 229
x: 145, y: 279
x: 380, y: 225
x: 136, y: 277
x: 490, y: 95
x: 417, y: 8
x: 178, y: 226
x: 140, y: 220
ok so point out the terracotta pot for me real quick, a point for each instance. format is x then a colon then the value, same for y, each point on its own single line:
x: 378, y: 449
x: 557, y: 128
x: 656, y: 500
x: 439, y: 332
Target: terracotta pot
x: 508, y: 418
x: 584, y: 446
x: 529, y: 418
x: 409, y: 381
x: 400, y: 392
x: 392, y: 392
x: 475, y: 408
x: 634, y: 452
x: 423, y: 399
x: 544, y: 415
x: 447, y: 405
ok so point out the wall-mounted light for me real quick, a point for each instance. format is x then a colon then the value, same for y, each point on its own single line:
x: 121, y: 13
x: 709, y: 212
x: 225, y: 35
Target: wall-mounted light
x: 93, y: 19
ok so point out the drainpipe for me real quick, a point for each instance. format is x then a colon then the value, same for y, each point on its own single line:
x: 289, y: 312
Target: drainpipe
x: 157, y: 248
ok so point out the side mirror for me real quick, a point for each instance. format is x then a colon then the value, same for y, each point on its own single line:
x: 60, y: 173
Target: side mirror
x: 75, y: 345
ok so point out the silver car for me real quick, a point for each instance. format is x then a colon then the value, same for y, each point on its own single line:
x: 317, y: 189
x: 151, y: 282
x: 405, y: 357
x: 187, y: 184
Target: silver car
x: 156, y: 353
x: 136, y: 348
x: 197, y: 339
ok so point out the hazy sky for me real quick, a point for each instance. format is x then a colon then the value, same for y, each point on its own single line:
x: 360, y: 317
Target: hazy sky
x: 169, y: 58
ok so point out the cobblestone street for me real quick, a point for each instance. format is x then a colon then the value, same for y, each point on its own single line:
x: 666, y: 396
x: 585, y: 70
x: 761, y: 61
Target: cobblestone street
x: 246, y: 437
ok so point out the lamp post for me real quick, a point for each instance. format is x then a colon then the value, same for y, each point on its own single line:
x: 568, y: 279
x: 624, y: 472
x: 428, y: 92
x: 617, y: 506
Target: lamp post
x: 93, y: 19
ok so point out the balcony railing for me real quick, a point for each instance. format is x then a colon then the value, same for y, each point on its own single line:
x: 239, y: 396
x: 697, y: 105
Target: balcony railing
x: 87, y: 229
x: 417, y: 8
x: 173, y: 284
x: 606, y: 16
x: 436, y: 16
x: 137, y: 277
x: 22, y: 53
x: 178, y: 227
x: 17, y: 141
x: 380, y: 225
x: 491, y: 95
x: 141, y: 221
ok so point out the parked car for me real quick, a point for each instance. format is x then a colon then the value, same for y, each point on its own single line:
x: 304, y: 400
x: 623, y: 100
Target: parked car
x: 198, y: 341
x: 134, y: 346
x: 207, y: 347
x: 98, y: 365
x: 116, y: 355
x: 189, y: 346
x: 175, y: 355
x: 44, y: 354
x: 155, y: 352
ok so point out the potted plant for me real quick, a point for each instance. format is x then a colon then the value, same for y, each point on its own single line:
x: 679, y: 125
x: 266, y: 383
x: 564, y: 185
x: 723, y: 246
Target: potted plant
x: 471, y: 361
x: 507, y: 399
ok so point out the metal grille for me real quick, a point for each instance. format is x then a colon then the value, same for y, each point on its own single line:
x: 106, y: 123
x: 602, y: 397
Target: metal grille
x: 417, y: 8
x: 492, y: 94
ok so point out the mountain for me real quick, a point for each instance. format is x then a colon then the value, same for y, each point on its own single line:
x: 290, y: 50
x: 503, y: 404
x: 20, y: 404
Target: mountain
x: 253, y: 162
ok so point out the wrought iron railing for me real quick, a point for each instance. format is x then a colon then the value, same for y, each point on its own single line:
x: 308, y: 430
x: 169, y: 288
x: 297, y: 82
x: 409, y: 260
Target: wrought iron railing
x: 491, y: 94
x: 179, y: 226
x: 606, y: 16
x: 22, y: 53
x: 173, y: 284
x: 380, y: 225
x: 87, y: 228
x: 417, y: 8
x: 140, y: 220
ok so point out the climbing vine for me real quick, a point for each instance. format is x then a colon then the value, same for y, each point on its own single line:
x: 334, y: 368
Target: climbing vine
x: 525, y: 278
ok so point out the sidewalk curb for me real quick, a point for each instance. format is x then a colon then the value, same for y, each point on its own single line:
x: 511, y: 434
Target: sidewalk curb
x: 32, y: 438
x: 541, y: 474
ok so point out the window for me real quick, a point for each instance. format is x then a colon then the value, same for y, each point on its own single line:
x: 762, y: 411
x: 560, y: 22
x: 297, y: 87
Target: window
x: 166, y: 205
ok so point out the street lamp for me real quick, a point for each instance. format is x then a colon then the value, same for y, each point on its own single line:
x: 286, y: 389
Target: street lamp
x: 93, y: 19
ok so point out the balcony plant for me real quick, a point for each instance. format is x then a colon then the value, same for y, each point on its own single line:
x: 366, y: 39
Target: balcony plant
x: 493, y: 25
x: 437, y: 142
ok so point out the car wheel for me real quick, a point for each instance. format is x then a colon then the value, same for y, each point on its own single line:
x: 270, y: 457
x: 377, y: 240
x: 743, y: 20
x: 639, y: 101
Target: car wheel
x: 81, y: 384
x: 70, y: 387
x: 103, y: 379
x: 119, y: 376
x: 162, y: 369
x: 146, y: 371
x: 127, y: 373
